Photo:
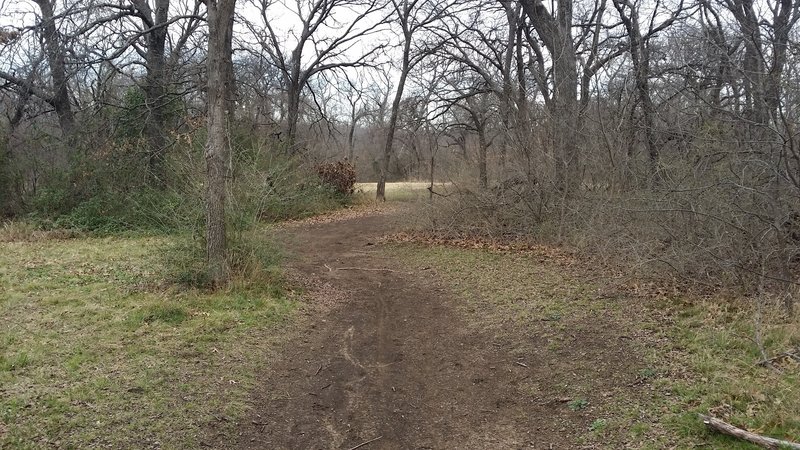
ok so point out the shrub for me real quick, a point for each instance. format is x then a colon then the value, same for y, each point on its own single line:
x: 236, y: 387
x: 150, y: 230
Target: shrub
x: 340, y: 175
x: 284, y: 189
x: 143, y: 209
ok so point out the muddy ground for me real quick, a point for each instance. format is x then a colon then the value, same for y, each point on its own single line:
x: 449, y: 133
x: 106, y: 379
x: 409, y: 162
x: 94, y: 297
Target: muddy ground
x: 387, y: 360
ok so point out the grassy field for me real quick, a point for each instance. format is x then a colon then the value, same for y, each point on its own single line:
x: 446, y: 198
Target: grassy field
x: 699, y: 355
x: 401, y: 191
x: 99, y: 347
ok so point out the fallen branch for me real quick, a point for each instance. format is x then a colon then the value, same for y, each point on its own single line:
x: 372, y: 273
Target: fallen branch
x: 793, y: 354
x: 730, y: 430
x: 430, y: 189
x: 365, y: 443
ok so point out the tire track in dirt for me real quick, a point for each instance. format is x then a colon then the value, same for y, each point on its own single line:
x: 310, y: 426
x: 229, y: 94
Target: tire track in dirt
x: 393, y: 360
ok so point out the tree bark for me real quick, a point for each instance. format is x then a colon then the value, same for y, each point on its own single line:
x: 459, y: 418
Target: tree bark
x: 292, y: 115
x: 507, y: 101
x: 762, y: 441
x: 480, y: 128
x: 398, y: 96
x: 54, y: 50
x: 556, y: 34
x: 640, y: 58
x: 217, y: 154
x: 483, y: 177
x: 351, y: 143
x: 156, y: 90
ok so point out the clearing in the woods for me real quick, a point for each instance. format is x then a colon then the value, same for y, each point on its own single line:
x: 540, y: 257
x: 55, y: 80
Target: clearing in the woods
x: 397, y: 357
x: 417, y: 345
x: 382, y: 341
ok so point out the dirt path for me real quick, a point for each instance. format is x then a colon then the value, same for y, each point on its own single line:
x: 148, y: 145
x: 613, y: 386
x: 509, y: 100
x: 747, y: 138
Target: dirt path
x: 393, y: 363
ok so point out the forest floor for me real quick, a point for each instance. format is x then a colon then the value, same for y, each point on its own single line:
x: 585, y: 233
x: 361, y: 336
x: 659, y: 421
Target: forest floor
x: 418, y: 346
x: 368, y: 336
x: 392, y: 359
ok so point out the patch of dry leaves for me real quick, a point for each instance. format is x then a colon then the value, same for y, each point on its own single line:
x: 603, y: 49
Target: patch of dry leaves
x: 552, y: 254
x: 317, y: 292
x: 351, y: 212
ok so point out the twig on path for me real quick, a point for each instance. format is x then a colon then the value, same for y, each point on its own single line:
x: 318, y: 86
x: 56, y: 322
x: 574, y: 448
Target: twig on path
x: 318, y: 370
x: 372, y: 270
x: 521, y: 364
x: 328, y: 267
x: 365, y: 443
x: 763, y: 441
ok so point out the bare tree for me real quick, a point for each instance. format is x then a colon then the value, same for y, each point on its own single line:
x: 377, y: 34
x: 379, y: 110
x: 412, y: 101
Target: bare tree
x: 354, y: 91
x: 57, y: 93
x: 488, y: 41
x: 554, y: 28
x: 321, y: 34
x: 217, y: 155
x: 155, y: 25
x: 640, y: 59
x: 414, y: 17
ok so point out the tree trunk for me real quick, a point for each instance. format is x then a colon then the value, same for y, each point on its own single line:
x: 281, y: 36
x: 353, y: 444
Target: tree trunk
x: 480, y: 128
x: 753, y: 65
x: 296, y: 80
x: 507, y: 102
x: 640, y: 58
x: 292, y: 116
x: 556, y: 34
x: 351, y: 143
x: 58, y: 72
x: 398, y: 96
x: 220, y: 65
x: 430, y: 188
x: 483, y: 178
x: 156, y: 95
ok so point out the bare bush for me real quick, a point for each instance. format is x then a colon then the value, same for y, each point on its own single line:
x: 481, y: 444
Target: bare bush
x: 339, y: 175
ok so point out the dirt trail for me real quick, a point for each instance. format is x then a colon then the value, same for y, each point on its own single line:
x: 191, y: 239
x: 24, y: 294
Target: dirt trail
x: 393, y: 361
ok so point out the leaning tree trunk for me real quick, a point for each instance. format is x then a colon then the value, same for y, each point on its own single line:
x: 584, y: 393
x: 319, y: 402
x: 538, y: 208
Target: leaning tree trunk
x: 398, y: 96
x: 220, y: 65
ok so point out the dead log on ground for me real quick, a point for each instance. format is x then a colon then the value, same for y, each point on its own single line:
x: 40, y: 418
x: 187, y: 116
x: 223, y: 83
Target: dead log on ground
x: 730, y: 430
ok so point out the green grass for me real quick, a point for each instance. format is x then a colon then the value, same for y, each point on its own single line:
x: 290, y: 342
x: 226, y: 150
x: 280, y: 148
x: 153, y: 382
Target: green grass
x: 98, y: 349
x: 578, y: 404
x: 714, y: 340
x: 698, y: 355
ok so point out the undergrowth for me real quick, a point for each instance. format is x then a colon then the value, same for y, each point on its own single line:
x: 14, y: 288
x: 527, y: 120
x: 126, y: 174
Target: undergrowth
x: 696, y: 355
x: 101, y: 345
